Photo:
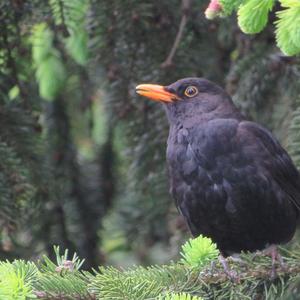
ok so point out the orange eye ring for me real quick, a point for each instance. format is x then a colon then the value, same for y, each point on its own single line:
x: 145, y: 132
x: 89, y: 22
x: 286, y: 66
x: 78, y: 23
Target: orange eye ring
x: 191, y: 91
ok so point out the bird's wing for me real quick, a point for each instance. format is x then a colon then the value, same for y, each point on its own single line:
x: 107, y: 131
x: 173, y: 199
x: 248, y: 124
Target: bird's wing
x: 269, y: 154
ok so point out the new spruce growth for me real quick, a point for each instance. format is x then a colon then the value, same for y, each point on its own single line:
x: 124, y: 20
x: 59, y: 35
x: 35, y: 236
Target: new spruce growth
x: 253, y: 17
x: 198, y: 252
x: 288, y: 27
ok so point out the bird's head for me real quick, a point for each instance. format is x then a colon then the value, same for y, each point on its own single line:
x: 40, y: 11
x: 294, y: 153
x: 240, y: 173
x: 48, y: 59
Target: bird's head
x: 189, y: 98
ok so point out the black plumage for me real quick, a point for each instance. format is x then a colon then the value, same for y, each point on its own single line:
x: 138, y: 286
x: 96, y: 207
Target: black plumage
x: 230, y: 178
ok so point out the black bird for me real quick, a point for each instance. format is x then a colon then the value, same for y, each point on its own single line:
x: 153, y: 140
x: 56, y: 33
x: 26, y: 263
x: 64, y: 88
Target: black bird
x: 230, y: 178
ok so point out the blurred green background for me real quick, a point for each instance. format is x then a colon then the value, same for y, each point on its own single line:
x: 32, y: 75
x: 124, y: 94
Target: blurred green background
x: 82, y: 157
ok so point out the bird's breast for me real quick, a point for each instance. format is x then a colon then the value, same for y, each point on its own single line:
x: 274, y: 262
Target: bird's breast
x: 197, y: 157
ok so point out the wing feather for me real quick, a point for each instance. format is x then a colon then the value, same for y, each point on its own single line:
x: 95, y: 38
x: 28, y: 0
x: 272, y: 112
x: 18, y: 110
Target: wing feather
x: 273, y: 157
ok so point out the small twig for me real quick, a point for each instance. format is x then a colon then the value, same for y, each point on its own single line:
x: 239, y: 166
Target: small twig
x: 186, y: 4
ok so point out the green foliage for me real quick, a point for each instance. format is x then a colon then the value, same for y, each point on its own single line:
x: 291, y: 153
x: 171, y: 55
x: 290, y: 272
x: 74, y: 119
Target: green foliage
x: 15, y: 189
x: 77, y: 46
x: 62, y: 277
x: 199, y: 251
x: 62, y: 262
x: 137, y: 283
x: 50, y: 71
x: 181, y: 296
x: 21, y: 164
x: 16, y: 280
x: 71, y: 15
x: 288, y: 27
x: 71, y: 284
x: 228, y: 6
x: 253, y: 15
x: 20, y: 280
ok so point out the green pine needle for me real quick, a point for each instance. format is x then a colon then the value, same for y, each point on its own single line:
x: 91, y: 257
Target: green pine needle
x: 181, y: 296
x: 288, y: 27
x: 199, y: 251
x: 16, y: 279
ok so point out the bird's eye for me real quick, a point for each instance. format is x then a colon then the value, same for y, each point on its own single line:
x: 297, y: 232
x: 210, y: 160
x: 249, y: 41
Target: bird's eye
x: 191, y: 91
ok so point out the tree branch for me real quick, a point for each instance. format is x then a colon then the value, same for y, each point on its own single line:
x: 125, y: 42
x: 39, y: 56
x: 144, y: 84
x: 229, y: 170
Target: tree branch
x: 186, y: 5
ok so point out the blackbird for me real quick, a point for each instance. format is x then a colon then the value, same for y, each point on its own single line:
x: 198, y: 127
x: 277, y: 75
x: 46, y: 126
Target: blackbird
x: 230, y: 178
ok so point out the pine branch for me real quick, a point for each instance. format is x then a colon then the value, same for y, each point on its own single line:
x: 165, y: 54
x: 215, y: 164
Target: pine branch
x: 64, y: 280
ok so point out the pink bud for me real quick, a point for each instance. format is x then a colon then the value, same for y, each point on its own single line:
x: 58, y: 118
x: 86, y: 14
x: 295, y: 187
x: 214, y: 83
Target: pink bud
x: 213, y: 9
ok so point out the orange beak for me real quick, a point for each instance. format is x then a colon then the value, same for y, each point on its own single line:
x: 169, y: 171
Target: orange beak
x: 155, y: 92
